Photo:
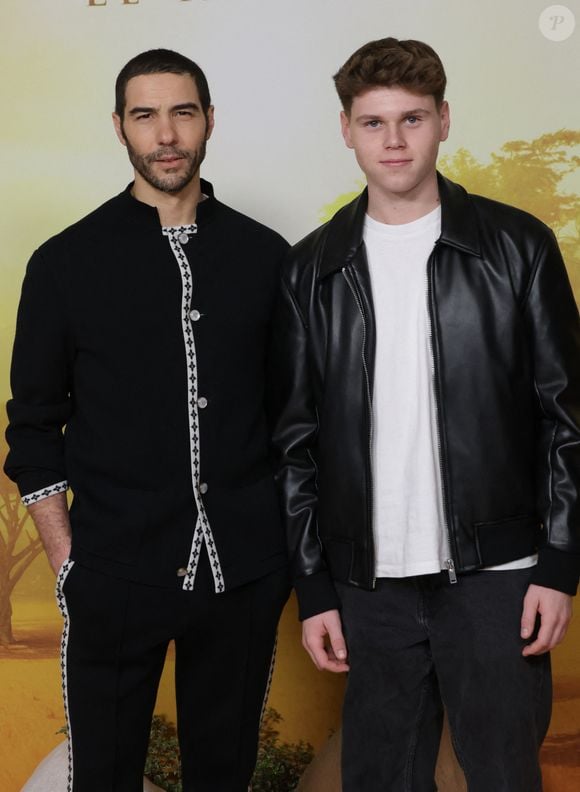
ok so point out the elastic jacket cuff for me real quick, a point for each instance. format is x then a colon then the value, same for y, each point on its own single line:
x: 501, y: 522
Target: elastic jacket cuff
x: 557, y: 570
x: 316, y: 594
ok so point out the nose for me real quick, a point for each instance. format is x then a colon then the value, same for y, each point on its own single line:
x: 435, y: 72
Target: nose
x: 166, y: 133
x: 393, y: 138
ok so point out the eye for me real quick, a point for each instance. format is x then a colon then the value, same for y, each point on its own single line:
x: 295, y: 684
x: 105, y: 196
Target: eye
x: 412, y: 120
x: 143, y: 116
x: 184, y: 113
x: 374, y: 123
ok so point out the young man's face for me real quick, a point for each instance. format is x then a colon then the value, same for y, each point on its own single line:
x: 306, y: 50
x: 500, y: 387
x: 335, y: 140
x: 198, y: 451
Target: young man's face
x: 395, y: 135
x: 164, y: 129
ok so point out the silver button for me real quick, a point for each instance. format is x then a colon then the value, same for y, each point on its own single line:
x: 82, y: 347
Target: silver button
x: 195, y: 315
x: 202, y: 402
x: 181, y: 572
x: 203, y: 488
x: 183, y: 238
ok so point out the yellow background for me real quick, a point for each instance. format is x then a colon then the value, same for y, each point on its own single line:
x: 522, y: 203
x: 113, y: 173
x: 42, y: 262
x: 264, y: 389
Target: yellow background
x: 277, y: 155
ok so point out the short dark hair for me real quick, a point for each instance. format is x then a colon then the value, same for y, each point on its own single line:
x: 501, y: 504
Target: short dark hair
x: 160, y: 61
x: 388, y: 63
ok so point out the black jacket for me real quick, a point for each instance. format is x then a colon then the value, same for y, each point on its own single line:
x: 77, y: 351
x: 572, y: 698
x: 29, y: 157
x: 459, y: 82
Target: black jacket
x: 100, y: 347
x: 506, y: 347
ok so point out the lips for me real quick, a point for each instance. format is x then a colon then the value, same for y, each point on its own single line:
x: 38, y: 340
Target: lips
x: 167, y: 156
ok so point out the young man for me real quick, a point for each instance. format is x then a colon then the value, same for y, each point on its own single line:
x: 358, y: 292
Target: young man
x: 144, y: 329
x: 429, y: 401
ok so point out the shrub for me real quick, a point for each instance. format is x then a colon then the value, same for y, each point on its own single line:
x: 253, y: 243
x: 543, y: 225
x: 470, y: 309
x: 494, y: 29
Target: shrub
x: 162, y: 765
x: 280, y: 765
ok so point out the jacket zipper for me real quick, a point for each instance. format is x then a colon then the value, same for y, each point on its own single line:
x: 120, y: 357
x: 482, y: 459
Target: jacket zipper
x: 355, y: 292
x: 449, y: 562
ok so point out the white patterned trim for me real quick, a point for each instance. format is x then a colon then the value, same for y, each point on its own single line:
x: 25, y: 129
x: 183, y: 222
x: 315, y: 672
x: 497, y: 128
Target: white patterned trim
x: 202, y: 531
x: 270, y: 675
x: 53, y: 489
x: 61, y: 602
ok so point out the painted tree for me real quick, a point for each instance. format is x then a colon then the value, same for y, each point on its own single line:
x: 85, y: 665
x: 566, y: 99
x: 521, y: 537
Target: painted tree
x: 531, y: 175
x: 19, y: 546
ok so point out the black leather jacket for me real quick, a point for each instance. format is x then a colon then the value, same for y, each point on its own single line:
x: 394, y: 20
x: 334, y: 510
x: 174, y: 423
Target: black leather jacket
x: 506, y: 349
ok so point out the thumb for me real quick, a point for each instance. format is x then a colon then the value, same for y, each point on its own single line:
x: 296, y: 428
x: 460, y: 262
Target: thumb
x: 529, y: 613
x: 337, y: 639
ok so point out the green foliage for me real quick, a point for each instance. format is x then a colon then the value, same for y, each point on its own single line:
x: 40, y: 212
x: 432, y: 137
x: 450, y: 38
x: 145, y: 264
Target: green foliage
x: 162, y: 765
x: 280, y: 765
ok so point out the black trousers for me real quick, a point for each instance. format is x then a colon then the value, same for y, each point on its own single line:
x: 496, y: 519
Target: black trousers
x: 418, y: 643
x: 115, y: 639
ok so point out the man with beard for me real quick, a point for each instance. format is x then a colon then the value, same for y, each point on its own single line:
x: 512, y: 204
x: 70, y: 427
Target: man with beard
x: 143, y: 329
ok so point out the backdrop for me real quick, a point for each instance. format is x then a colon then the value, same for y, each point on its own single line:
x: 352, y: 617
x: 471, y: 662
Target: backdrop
x: 277, y: 155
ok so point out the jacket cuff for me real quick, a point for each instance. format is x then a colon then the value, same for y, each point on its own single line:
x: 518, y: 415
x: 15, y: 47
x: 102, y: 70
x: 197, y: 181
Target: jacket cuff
x: 316, y: 594
x: 557, y: 570
x: 29, y: 497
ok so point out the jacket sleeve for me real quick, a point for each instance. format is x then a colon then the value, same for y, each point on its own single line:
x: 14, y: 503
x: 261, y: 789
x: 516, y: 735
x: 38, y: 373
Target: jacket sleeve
x: 554, y: 328
x: 41, y: 403
x: 294, y: 437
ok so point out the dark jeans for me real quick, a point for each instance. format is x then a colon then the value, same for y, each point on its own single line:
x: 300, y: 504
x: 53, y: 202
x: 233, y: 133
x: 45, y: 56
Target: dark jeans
x: 416, y: 644
x: 115, y: 640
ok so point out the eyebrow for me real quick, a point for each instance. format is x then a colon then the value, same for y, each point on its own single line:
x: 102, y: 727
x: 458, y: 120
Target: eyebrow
x: 186, y: 106
x: 183, y: 106
x: 404, y: 114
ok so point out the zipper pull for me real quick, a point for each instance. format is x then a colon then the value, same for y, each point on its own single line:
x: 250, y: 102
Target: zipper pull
x: 451, y: 570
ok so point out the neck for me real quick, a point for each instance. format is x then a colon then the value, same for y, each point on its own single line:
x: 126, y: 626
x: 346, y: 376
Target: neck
x: 399, y: 208
x: 174, y: 208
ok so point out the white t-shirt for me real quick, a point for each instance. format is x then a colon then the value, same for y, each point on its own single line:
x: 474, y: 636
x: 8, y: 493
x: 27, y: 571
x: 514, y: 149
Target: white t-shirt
x: 409, y: 524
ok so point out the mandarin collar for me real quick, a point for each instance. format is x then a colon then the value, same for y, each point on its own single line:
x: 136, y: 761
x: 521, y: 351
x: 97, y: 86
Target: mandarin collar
x: 141, y: 211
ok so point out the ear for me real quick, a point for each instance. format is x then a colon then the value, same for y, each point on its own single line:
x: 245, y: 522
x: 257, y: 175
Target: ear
x: 445, y: 117
x: 210, y: 122
x: 117, y: 123
x: 345, y: 128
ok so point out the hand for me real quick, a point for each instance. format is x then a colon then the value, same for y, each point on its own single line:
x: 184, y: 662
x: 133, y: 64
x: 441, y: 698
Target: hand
x: 50, y: 516
x: 330, y: 654
x: 555, y: 611
x: 58, y: 556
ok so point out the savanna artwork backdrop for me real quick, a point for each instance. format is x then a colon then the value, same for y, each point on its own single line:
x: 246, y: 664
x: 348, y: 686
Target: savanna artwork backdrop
x: 277, y: 155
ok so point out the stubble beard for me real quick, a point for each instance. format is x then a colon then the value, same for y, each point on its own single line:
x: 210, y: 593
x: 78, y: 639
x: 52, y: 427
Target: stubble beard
x: 169, y: 182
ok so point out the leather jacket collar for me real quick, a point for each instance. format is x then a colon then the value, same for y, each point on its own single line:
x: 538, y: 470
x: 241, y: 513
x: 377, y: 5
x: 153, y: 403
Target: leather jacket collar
x: 459, y: 227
